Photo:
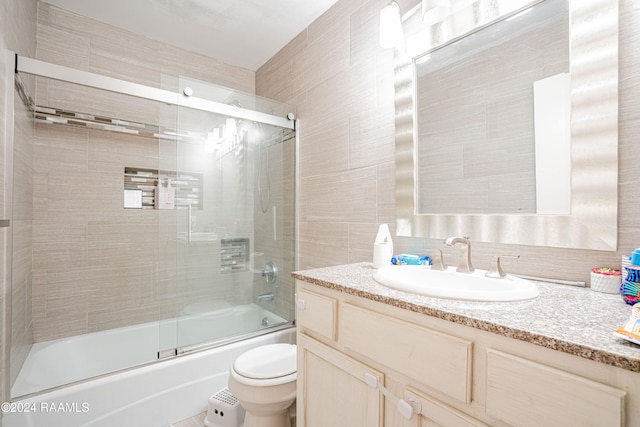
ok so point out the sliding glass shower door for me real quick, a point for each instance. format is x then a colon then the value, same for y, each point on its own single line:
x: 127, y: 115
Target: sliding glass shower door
x: 231, y: 187
x: 146, y: 222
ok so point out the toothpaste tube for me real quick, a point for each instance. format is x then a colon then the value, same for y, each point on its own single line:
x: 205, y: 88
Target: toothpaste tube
x: 406, y: 259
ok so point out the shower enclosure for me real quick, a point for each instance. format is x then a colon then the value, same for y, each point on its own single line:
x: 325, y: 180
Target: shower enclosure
x: 159, y: 222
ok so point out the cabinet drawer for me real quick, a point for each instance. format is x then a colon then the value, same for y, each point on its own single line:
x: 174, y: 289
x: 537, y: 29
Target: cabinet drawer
x: 317, y: 313
x: 440, y: 361
x: 522, y: 392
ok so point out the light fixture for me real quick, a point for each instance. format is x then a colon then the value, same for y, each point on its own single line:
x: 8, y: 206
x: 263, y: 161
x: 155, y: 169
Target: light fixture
x: 391, y: 35
x: 434, y: 11
x: 230, y: 129
x: 213, y: 140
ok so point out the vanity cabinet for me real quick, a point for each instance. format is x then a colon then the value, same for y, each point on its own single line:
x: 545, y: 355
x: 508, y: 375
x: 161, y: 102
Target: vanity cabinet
x: 360, y: 360
x: 331, y: 389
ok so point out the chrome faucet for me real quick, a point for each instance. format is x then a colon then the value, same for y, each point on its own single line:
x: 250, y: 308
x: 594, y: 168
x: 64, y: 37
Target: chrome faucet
x: 464, y: 263
x: 266, y: 297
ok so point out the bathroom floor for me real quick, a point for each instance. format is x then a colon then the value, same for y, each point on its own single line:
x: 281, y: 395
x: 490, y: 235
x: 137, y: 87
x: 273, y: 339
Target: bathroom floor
x: 198, y: 421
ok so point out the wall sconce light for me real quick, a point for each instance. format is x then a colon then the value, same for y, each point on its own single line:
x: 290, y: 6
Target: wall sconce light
x: 434, y: 11
x: 391, y: 35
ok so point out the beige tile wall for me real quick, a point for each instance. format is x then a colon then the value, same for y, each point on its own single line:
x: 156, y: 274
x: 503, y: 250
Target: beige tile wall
x: 5, y: 233
x: 342, y: 83
x: 97, y: 265
x: 17, y: 33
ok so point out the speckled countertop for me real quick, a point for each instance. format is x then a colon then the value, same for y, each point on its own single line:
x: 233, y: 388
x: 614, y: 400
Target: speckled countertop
x: 570, y: 319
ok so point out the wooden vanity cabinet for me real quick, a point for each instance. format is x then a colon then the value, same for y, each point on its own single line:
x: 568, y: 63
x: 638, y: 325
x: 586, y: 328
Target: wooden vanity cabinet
x: 451, y: 374
x: 330, y: 384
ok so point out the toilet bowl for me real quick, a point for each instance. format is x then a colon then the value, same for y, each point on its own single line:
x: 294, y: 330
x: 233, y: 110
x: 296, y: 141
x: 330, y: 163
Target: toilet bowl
x: 264, y: 382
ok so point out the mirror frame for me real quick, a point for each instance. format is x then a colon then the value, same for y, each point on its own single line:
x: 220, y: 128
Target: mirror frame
x: 593, y: 222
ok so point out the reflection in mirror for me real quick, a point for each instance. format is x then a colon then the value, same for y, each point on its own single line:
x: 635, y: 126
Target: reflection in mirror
x: 492, y: 114
x: 474, y: 148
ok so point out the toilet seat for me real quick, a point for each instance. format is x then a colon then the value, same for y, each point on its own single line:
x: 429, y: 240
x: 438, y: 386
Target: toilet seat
x: 267, y: 362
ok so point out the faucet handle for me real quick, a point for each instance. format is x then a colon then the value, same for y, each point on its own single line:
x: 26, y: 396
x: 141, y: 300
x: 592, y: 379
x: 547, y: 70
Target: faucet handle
x: 437, y: 262
x: 497, y: 272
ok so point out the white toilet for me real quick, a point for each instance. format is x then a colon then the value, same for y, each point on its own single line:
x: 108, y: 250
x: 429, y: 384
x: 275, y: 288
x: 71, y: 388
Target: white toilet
x: 264, y: 382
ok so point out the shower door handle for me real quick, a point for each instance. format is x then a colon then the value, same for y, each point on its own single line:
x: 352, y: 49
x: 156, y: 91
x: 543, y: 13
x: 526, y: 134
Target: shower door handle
x: 4, y: 223
x: 189, y: 223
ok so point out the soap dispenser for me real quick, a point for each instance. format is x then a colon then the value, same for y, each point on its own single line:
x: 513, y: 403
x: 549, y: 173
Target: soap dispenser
x: 382, y: 247
x: 165, y: 194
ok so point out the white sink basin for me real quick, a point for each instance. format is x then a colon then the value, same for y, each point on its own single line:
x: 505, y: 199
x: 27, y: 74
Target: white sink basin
x: 450, y: 284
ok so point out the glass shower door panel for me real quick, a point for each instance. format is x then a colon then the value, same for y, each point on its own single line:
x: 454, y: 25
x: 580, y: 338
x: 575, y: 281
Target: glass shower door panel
x: 230, y: 206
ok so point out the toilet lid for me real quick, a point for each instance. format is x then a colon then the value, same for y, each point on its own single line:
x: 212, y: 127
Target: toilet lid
x: 267, y: 361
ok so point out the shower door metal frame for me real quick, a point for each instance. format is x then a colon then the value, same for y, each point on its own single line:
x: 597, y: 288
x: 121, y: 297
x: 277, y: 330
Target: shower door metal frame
x: 71, y: 75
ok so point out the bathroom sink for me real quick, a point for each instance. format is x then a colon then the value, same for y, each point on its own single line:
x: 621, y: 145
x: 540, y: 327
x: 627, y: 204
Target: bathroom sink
x: 453, y: 285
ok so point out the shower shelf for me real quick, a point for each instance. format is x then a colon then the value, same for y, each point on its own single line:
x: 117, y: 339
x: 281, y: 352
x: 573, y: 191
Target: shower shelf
x: 188, y: 185
x: 234, y: 255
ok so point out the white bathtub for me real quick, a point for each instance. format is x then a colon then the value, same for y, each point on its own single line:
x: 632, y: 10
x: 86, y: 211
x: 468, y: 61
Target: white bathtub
x: 153, y: 395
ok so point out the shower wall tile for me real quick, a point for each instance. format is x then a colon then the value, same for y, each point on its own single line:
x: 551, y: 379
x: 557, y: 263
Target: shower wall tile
x: 333, y: 138
x: 5, y: 234
x: 342, y: 197
x: 55, y: 147
x: 97, y: 265
x: 60, y: 19
x: 63, y: 254
x: 361, y: 242
x: 200, y: 67
x: 386, y: 194
x: 279, y: 75
x: 21, y: 334
x: 324, y: 57
x: 328, y: 101
x: 365, y: 22
x: 133, y: 71
x: 108, y: 151
x: 342, y: 85
x: 68, y: 48
x: 367, y: 135
x: 18, y: 34
x: 323, y: 243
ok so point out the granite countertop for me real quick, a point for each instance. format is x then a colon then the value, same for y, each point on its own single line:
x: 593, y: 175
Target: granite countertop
x: 570, y: 319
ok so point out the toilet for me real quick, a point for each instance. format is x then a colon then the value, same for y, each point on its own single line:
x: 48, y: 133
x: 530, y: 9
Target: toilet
x: 264, y: 382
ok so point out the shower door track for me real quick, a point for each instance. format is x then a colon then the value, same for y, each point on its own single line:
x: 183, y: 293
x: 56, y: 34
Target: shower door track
x: 71, y: 75
x: 193, y: 348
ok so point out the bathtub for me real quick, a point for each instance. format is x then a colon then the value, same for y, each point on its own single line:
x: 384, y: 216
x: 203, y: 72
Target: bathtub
x: 154, y: 395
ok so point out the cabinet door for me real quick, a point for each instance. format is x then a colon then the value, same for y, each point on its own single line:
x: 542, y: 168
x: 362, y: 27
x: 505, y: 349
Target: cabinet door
x: 434, y: 413
x: 331, y: 389
x: 525, y: 393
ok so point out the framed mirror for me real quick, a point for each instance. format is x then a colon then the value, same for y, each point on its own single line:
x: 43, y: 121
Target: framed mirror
x: 512, y: 135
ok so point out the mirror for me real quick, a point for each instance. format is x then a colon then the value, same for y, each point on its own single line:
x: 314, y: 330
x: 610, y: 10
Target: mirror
x: 513, y: 130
